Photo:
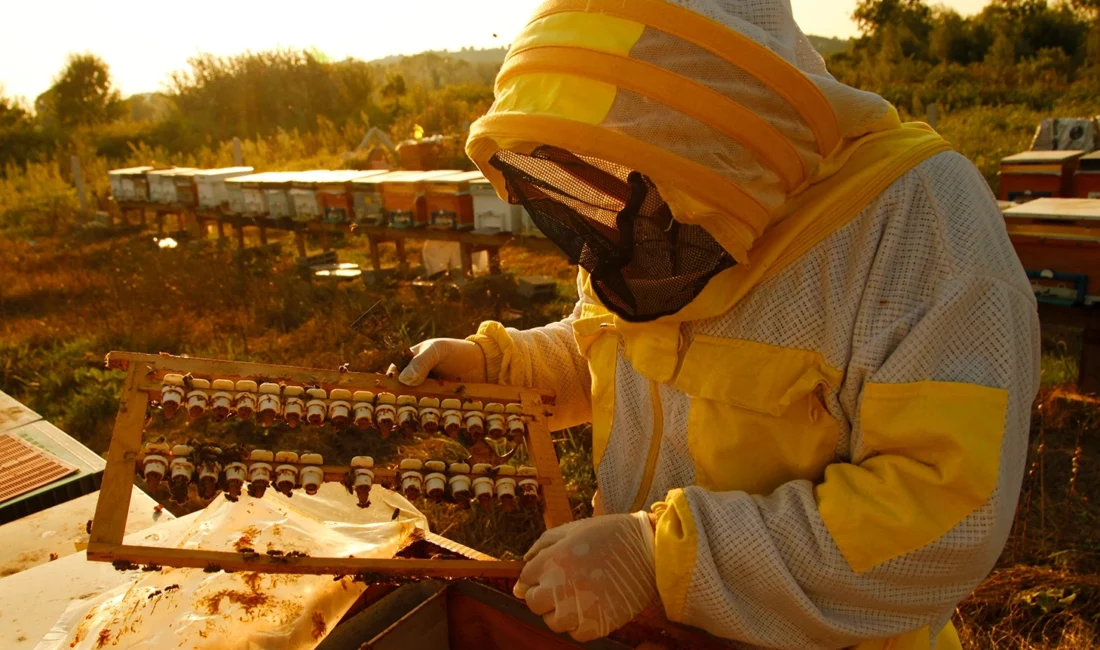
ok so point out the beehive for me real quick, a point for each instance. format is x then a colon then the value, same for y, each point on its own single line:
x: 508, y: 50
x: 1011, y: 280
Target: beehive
x: 366, y: 196
x: 404, y: 197
x: 303, y: 195
x: 162, y: 184
x: 122, y: 182
x: 1058, y: 242
x: 449, y: 202
x: 335, y: 196
x: 491, y: 214
x: 1038, y: 174
x: 276, y: 191
x: 187, y: 191
x: 211, y: 187
x: 1086, y: 182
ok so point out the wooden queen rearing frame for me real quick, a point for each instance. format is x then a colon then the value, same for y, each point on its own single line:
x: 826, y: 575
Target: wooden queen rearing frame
x: 144, y: 381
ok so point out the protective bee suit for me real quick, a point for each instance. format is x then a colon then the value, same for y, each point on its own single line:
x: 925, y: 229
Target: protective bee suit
x: 803, y: 339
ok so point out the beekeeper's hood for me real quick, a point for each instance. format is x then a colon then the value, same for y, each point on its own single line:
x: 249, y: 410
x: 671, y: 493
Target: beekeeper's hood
x: 722, y: 109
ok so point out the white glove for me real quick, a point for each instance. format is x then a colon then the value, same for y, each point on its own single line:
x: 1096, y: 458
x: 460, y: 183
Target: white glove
x: 450, y: 359
x: 591, y: 577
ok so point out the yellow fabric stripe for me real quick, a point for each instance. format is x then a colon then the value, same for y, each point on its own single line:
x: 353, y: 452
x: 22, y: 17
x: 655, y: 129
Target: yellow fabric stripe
x: 593, y: 31
x: 937, y: 449
x: 654, y: 447
x: 739, y: 50
x: 686, y: 96
x: 523, y: 132
x: 560, y: 95
x: 599, y: 344
x: 676, y: 545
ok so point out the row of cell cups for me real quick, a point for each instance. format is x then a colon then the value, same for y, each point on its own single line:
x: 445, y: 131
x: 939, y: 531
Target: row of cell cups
x: 384, y: 411
x: 286, y: 470
x: 482, y: 482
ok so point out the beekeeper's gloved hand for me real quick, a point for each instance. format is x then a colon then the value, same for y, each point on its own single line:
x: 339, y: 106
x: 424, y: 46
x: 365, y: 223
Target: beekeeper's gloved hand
x: 449, y: 359
x: 593, y: 576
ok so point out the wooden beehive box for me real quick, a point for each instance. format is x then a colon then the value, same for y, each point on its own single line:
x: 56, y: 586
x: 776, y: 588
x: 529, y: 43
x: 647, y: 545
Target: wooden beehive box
x: 366, y: 196
x: 1058, y: 242
x: 491, y: 214
x: 210, y: 185
x: 1038, y: 174
x: 404, y: 197
x: 187, y: 191
x: 303, y: 195
x: 246, y: 193
x: 162, y: 184
x: 1086, y: 182
x: 449, y: 202
x: 335, y: 197
x: 276, y: 191
x: 122, y: 182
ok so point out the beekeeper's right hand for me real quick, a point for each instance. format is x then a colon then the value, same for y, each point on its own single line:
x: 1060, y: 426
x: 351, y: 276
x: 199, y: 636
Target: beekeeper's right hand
x: 449, y: 359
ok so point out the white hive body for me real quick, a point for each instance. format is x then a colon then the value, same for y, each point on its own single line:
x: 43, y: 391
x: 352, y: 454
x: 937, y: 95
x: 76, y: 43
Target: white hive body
x: 211, y: 186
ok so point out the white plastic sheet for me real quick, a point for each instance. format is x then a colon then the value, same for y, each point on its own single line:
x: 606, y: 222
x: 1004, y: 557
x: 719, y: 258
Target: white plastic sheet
x: 442, y: 256
x: 187, y: 608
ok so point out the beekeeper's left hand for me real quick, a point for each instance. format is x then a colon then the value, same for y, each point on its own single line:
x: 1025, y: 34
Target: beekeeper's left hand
x: 593, y: 576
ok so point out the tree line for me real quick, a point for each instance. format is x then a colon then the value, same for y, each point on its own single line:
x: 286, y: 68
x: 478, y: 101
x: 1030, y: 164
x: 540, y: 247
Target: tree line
x: 248, y: 95
x: 1029, y: 52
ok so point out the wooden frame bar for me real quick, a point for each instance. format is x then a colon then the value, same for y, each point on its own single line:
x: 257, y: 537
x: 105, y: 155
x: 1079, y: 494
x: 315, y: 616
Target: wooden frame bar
x: 144, y: 375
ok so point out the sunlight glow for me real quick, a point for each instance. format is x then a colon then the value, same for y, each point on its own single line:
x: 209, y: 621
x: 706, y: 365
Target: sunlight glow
x: 144, y: 42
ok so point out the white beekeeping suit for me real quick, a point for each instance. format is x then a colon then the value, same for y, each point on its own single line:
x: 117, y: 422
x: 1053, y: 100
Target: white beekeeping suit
x: 804, y: 341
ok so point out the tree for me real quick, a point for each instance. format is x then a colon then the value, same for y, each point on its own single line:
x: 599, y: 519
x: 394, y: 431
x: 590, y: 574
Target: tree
x: 394, y: 90
x: 13, y: 112
x: 82, y: 94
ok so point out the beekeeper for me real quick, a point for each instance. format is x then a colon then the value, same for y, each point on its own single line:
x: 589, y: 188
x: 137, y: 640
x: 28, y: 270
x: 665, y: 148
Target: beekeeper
x: 804, y: 343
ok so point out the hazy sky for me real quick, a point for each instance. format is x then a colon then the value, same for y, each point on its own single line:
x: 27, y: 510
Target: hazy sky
x: 143, y: 41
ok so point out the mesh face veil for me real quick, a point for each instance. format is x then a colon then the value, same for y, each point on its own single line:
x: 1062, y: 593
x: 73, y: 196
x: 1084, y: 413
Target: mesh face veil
x: 613, y: 223
x: 721, y: 107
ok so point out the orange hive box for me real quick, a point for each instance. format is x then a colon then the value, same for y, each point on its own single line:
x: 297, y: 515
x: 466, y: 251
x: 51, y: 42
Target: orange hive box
x: 1038, y: 174
x: 1058, y: 242
x: 404, y: 197
x: 1086, y: 182
x: 450, y: 204
x: 334, y: 194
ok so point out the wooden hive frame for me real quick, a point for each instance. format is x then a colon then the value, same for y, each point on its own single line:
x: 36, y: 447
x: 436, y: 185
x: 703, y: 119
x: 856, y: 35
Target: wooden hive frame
x: 144, y: 374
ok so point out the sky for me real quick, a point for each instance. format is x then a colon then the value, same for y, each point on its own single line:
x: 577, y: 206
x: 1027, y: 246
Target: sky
x: 144, y: 41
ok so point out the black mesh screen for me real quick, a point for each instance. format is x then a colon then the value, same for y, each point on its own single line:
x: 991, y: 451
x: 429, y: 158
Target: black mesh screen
x: 613, y: 223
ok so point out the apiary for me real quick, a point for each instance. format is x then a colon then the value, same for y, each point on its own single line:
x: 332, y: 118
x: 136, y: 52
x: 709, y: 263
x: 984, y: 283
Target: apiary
x: 122, y: 182
x: 210, y: 185
x: 404, y: 197
x: 162, y: 184
x: 450, y: 204
x: 1039, y: 174
x: 1086, y: 182
x: 366, y: 196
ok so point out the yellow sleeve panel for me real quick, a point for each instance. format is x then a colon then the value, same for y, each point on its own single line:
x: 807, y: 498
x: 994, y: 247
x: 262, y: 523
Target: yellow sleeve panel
x: 598, y: 342
x: 675, y: 547
x: 936, y: 453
